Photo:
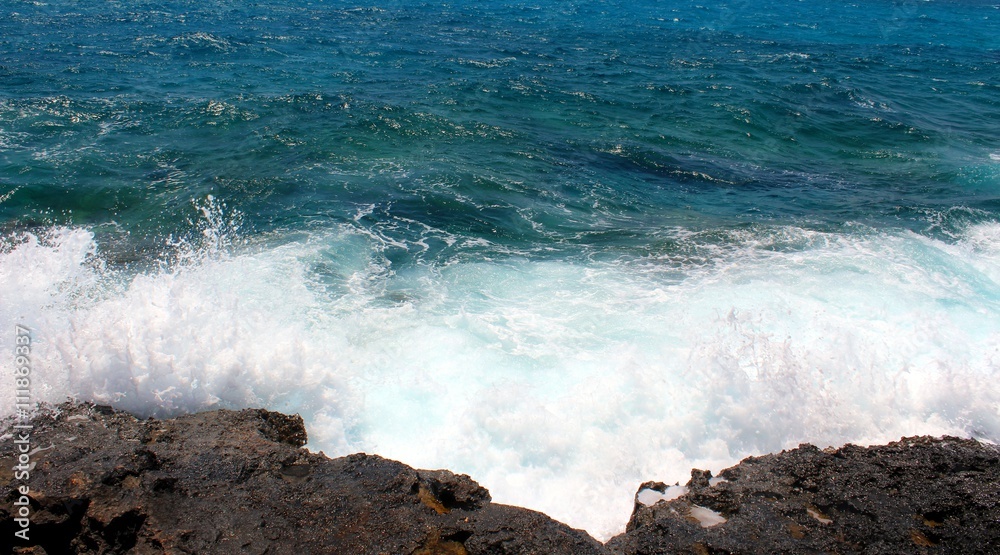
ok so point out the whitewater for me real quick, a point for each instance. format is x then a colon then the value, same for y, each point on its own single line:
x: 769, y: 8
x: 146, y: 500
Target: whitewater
x: 559, y: 386
x: 564, y: 248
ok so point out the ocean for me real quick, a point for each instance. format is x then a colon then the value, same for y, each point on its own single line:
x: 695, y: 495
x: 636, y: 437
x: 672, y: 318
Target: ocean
x: 562, y: 246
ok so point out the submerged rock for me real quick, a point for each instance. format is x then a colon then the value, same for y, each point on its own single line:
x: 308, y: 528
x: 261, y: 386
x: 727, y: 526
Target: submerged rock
x: 917, y: 495
x: 239, y: 482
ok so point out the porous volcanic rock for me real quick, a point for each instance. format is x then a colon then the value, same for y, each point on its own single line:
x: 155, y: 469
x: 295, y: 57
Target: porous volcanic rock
x: 917, y: 495
x: 239, y: 482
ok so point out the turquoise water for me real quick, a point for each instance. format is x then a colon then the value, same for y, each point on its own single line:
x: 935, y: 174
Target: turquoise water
x: 565, y: 247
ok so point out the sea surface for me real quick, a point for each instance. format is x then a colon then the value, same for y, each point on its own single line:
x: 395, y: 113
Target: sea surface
x: 562, y: 246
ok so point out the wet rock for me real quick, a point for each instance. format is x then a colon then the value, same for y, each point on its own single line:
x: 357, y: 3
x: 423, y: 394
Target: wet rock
x: 239, y: 482
x: 918, y: 495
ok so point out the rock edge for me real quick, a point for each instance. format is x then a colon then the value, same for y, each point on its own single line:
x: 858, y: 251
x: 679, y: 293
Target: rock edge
x: 240, y: 482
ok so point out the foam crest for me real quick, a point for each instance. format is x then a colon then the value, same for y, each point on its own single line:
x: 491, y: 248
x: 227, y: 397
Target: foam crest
x: 984, y: 238
x: 559, y: 386
x: 231, y: 331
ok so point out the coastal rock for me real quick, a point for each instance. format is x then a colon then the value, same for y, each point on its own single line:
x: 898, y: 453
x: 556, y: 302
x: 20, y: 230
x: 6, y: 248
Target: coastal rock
x: 239, y: 482
x: 917, y: 495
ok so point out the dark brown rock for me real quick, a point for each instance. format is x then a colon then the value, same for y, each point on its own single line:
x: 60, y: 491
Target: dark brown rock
x: 918, y: 495
x: 238, y: 482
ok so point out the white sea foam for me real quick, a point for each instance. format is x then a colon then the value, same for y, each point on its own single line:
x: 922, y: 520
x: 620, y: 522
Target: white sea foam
x: 706, y: 517
x: 558, y: 386
x: 650, y: 497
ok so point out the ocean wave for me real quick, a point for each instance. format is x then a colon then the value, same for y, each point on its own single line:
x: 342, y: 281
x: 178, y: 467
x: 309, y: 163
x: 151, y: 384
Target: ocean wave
x: 556, y: 384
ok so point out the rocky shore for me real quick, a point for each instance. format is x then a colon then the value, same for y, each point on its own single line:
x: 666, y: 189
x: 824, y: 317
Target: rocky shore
x: 240, y: 482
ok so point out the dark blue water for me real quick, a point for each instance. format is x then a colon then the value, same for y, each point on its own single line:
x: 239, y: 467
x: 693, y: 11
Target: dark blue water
x: 537, y: 242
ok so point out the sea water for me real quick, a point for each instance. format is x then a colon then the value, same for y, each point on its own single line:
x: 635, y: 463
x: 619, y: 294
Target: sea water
x: 564, y: 247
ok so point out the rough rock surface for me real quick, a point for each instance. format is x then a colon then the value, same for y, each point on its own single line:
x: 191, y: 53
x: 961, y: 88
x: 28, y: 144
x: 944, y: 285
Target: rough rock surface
x: 917, y: 495
x: 239, y: 482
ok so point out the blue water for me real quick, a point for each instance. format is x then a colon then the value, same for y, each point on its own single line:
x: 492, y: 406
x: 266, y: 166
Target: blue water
x: 565, y: 247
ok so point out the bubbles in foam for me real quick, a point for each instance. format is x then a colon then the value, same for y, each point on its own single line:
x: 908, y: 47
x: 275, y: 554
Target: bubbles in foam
x: 984, y: 238
x: 560, y: 386
x: 211, y: 331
